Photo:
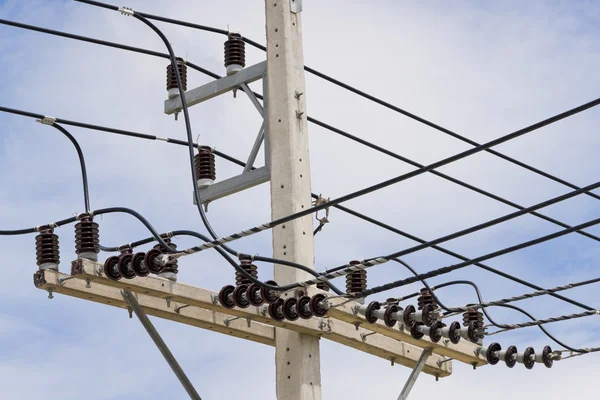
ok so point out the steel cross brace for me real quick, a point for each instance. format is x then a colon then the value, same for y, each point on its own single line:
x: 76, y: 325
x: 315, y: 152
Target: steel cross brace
x: 414, y: 374
x: 162, y: 346
x: 239, y: 80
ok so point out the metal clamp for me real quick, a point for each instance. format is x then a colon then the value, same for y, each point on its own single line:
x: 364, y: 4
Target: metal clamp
x: 320, y: 201
x: 47, y: 120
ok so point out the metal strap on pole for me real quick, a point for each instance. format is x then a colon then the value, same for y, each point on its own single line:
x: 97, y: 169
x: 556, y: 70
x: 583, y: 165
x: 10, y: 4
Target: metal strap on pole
x: 162, y: 346
x: 414, y: 374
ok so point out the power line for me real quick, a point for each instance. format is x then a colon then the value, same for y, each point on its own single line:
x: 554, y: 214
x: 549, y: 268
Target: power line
x: 340, y: 207
x: 357, y: 92
x: 451, y: 268
x: 317, y: 122
x: 400, y: 178
x: 510, y: 327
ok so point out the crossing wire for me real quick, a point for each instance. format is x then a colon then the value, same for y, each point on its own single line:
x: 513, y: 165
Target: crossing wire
x: 357, y: 92
x: 315, y: 196
x: 316, y: 122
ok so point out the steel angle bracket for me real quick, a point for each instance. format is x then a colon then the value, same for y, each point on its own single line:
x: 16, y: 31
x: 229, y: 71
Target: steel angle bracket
x: 250, y: 176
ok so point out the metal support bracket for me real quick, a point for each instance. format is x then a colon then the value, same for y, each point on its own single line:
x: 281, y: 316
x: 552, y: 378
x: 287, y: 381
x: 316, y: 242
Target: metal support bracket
x: 234, y: 185
x: 414, y: 374
x: 185, y: 382
x: 239, y: 80
x: 296, y: 6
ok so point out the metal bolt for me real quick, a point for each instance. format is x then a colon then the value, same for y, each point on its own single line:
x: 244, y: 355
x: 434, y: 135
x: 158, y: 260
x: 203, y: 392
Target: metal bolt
x: 227, y: 322
x: 180, y: 307
x: 214, y: 298
x: 168, y: 300
x: 88, y: 283
x: 364, y: 336
x: 62, y: 281
x: 357, y: 325
x: 130, y: 312
x: 50, y: 295
x: 392, y: 359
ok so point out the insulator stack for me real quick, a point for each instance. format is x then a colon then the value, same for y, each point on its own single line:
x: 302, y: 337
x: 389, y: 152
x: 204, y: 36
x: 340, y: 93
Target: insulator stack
x: 246, y: 265
x: 170, y: 270
x: 323, y: 286
x: 204, y: 163
x: 235, y: 53
x: 356, y: 281
x: 87, y: 238
x: 426, y: 298
x: 473, y: 316
x: 46, y: 248
x: 172, y: 78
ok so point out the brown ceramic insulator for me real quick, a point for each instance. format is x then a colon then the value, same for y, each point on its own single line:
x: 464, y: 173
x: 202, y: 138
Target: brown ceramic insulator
x: 356, y: 281
x: 473, y: 316
x: 87, y: 235
x: 171, y: 266
x: 204, y: 162
x: 172, y: 78
x: 46, y: 246
x: 246, y: 265
x: 323, y: 286
x: 426, y: 298
x: 235, y: 50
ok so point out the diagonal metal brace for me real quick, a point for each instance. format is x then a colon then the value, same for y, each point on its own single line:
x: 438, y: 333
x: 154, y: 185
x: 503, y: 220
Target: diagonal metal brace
x: 414, y: 374
x: 162, y: 346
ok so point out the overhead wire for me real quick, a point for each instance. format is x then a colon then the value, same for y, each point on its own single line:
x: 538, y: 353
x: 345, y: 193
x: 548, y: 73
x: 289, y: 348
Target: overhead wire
x: 445, y: 270
x: 358, y: 92
x: 198, y: 201
x: 385, y: 226
x: 310, y: 119
x: 436, y: 298
x: 315, y: 196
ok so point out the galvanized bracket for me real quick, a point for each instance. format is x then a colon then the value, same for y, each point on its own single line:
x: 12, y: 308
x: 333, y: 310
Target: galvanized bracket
x: 296, y: 6
x: 414, y: 374
x: 250, y: 176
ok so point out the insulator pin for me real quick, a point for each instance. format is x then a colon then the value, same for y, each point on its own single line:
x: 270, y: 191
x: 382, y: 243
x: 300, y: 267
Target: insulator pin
x: 172, y: 87
x: 235, y: 53
x: 204, y: 162
x: 87, y: 238
x: 46, y: 248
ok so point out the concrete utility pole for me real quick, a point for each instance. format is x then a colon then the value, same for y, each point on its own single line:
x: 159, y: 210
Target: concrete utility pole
x: 297, y: 355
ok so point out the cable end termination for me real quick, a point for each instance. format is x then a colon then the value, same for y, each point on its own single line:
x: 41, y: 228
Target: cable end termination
x: 126, y: 11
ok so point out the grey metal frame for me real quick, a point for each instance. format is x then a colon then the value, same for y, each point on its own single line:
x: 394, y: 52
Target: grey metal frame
x: 414, y: 374
x: 240, y: 80
x: 162, y: 346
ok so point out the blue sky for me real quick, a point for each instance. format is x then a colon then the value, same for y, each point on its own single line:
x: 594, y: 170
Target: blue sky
x: 482, y: 69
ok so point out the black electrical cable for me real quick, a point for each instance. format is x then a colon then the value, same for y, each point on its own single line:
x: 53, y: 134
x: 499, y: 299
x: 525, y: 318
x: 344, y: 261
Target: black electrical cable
x: 480, y: 298
x: 454, y: 267
x: 86, y: 194
x: 27, y: 231
x: 191, y: 148
x: 484, y: 225
x: 474, y: 285
x: 150, y: 137
x: 310, y: 119
x: 315, y: 196
x: 359, y: 93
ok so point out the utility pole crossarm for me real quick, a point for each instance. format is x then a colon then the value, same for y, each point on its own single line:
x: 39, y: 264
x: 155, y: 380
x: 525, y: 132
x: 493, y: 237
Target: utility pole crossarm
x: 160, y: 290
x: 54, y: 282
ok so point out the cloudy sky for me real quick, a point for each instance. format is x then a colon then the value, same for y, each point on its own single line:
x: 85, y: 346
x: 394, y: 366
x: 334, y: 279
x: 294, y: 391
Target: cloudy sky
x: 482, y: 69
